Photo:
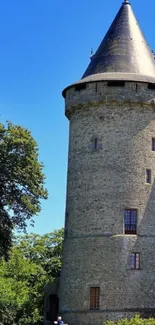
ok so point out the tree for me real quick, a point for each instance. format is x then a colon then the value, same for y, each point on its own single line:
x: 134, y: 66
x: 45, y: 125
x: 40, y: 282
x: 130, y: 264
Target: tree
x: 45, y: 250
x: 15, y: 292
x: 21, y: 181
x: 34, y: 260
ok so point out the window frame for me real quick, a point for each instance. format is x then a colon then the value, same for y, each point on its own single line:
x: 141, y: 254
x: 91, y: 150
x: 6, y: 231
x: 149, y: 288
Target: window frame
x: 153, y: 143
x: 95, y: 144
x: 128, y: 226
x: 135, y: 261
x: 94, y: 298
x: 148, y: 176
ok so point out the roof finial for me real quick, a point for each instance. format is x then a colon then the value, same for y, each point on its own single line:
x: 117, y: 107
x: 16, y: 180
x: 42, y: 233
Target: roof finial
x: 126, y: 2
x: 91, y: 53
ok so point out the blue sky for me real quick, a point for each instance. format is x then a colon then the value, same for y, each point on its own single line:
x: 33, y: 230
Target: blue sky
x: 45, y: 46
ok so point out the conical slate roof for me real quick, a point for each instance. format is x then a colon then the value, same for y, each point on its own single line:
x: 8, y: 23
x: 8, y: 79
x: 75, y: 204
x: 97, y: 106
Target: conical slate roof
x: 124, y: 53
x: 124, y: 48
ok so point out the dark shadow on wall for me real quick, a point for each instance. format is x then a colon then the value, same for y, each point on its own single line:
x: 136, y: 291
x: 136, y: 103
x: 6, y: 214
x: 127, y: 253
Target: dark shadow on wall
x: 51, y: 305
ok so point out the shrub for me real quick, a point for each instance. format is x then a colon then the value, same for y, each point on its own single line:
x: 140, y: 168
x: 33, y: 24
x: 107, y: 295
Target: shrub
x: 137, y: 320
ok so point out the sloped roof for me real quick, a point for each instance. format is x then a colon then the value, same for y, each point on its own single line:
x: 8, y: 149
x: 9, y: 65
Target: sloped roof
x: 124, y: 48
x: 124, y: 53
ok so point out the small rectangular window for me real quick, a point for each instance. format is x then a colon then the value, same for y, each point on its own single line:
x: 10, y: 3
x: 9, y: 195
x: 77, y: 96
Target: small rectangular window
x: 81, y: 86
x: 151, y: 86
x: 148, y: 176
x: 94, y: 298
x: 117, y: 83
x: 130, y: 221
x: 153, y: 144
x: 135, y: 261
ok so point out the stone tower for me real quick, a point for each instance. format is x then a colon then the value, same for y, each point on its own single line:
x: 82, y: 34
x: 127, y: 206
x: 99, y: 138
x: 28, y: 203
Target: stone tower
x: 109, y: 248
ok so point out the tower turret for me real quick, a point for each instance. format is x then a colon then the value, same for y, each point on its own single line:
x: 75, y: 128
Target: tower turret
x: 108, y: 254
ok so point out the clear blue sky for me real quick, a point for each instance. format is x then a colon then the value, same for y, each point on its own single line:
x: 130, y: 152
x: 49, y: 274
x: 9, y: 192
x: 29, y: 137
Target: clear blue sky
x: 45, y: 46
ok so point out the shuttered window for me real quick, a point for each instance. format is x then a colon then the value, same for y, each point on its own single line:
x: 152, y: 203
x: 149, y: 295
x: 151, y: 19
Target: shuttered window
x: 94, y: 298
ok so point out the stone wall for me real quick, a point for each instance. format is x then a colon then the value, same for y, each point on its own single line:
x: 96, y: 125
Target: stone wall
x: 102, y: 183
x: 101, y: 93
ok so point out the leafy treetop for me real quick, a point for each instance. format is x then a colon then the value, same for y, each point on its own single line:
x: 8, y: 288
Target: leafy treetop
x: 21, y: 181
x: 34, y: 261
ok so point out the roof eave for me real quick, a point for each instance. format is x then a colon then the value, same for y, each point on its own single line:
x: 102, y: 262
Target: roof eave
x: 112, y: 76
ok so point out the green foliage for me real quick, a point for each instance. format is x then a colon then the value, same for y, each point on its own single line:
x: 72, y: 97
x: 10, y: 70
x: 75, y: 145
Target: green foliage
x: 21, y: 181
x: 137, y: 320
x: 14, y: 289
x: 34, y: 261
x: 45, y: 251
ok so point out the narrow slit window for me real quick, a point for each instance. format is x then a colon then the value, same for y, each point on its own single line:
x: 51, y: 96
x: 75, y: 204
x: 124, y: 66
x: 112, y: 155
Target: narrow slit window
x: 130, y: 222
x: 153, y: 144
x: 94, y: 298
x: 135, y: 261
x: 95, y: 143
x: 148, y: 176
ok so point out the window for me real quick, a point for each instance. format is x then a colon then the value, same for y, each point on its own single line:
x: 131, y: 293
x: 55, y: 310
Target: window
x: 135, y: 261
x: 153, y: 144
x: 94, y: 298
x: 95, y: 143
x: 130, y: 221
x: 151, y: 86
x: 117, y: 83
x: 81, y: 86
x: 148, y: 176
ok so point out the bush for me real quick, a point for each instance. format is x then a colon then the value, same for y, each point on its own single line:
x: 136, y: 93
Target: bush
x: 137, y: 320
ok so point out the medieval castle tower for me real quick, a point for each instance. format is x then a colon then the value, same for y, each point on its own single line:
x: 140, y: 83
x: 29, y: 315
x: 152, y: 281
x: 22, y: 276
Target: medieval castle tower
x: 109, y: 248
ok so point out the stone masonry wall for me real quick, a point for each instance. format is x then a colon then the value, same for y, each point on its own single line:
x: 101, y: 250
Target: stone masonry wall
x: 102, y: 183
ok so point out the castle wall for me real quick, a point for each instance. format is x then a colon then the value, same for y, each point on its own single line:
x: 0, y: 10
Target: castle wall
x: 102, y: 183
